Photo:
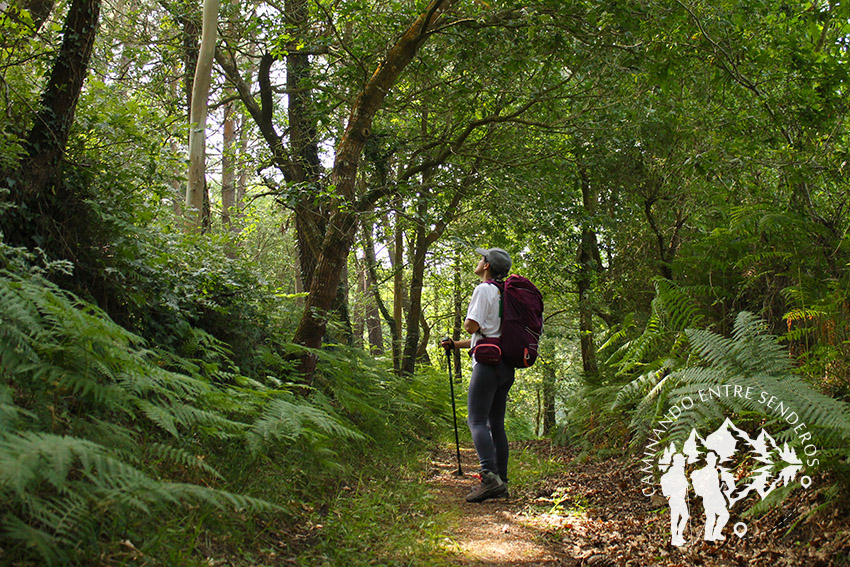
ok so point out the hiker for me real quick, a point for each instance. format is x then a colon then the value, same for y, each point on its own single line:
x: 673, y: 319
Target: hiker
x: 489, y: 384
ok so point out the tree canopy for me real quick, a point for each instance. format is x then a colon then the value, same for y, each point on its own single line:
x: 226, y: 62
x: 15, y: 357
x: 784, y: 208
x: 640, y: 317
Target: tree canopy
x: 248, y: 225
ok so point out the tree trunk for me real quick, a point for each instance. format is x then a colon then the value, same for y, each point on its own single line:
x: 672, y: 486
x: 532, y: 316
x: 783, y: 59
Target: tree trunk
x: 423, y: 242
x: 239, y: 147
x: 197, y: 197
x: 357, y: 312
x: 302, y: 129
x: 342, y: 222
x: 318, y: 308
x: 35, y: 188
x: 588, y: 254
x: 52, y: 126
x: 371, y: 316
x: 369, y: 256
x: 228, y: 166
x: 549, y: 389
x: 190, y: 35
x: 397, y: 255
x: 341, y: 333
x: 39, y: 11
x: 304, y: 167
x: 667, y: 250
x: 422, y: 350
x: 374, y: 330
x: 242, y: 180
x: 538, y: 416
x: 178, y: 192
x: 417, y: 282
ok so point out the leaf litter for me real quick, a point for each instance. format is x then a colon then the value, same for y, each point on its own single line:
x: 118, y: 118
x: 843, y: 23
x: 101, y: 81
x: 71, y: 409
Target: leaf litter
x: 593, y: 512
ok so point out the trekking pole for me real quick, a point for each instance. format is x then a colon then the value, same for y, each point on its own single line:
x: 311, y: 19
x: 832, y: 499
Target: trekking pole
x: 459, y: 471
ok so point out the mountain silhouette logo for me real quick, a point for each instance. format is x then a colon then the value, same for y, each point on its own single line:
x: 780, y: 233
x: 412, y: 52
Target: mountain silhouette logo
x: 722, y: 469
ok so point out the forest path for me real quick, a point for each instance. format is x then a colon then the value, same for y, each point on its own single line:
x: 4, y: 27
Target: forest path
x: 593, y: 514
x: 501, y: 532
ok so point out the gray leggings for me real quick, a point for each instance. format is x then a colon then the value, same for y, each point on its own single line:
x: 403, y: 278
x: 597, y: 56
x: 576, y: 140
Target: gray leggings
x: 486, y: 402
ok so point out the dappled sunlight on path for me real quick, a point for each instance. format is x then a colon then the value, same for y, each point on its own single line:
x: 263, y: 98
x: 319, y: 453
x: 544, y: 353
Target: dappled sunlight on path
x: 592, y: 513
x: 496, y: 532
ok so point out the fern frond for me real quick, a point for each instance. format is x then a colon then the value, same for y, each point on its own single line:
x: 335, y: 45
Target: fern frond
x: 10, y: 414
x: 214, y: 423
x: 16, y: 529
x: 284, y: 419
x: 801, y: 314
x: 17, y: 318
x: 181, y: 457
x: 641, y: 387
x: 222, y: 499
x: 673, y: 311
x: 762, y: 258
x: 712, y: 348
x: 27, y: 458
x: 158, y: 415
x: 742, y: 219
x: 677, y: 305
x: 618, y: 333
x: 753, y: 359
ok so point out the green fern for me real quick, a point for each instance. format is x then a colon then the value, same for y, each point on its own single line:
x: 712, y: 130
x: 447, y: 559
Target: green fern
x: 171, y: 454
x: 672, y: 311
x: 660, y: 349
x: 61, y: 487
x: 70, y: 368
x: 97, y: 427
x: 10, y: 414
x: 287, y: 419
x: 752, y: 358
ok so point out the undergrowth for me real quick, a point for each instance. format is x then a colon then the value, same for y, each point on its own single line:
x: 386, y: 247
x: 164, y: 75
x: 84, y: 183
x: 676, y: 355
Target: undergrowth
x: 118, y: 446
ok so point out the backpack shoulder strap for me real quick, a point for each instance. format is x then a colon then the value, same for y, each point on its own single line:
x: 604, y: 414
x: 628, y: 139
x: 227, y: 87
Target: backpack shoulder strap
x: 500, y: 285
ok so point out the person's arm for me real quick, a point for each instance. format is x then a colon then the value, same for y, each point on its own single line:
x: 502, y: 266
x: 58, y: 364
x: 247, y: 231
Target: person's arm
x: 448, y: 343
x: 469, y: 325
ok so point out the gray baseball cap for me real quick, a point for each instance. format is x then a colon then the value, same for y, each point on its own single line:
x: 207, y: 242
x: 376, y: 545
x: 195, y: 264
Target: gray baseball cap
x: 499, y: 260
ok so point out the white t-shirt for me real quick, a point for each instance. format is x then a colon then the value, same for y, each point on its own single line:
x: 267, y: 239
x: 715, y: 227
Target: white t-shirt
x: 484, y: 310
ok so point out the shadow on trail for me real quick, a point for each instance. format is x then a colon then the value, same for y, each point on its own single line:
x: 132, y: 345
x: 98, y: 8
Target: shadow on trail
x: 593, y: 513
x: 500, y: 532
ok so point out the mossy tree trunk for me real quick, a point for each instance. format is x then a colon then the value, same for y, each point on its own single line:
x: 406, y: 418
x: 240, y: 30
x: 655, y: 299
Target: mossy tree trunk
x: 46, y: 208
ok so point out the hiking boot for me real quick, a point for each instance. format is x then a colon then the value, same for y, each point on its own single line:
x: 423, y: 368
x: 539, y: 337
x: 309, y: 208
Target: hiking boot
x: 506, y: 493
x: 491, y: 487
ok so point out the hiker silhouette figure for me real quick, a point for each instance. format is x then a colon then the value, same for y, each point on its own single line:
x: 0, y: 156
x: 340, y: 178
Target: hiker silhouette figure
x: 736, y: 466
x: 707, y: 485
x: 674, y: 485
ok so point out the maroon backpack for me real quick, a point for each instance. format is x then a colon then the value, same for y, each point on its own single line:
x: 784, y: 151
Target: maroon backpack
x: 522, y: 320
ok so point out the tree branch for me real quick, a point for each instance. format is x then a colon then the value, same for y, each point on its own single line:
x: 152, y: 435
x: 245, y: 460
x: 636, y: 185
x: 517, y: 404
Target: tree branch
x: 262, y: 115
x: 452, y: 147
x: 728, y: 64
x: 371, y: 98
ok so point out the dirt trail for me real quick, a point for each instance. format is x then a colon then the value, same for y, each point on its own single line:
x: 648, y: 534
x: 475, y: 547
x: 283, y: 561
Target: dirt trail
x: 594, y: 514
x: 497, y: 532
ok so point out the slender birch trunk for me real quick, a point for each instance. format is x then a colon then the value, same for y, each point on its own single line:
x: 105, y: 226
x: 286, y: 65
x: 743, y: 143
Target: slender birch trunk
x: 196, y: 187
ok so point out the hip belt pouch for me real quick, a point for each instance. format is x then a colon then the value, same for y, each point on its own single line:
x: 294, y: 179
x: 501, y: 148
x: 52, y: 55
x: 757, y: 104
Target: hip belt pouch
x: 487, y: 351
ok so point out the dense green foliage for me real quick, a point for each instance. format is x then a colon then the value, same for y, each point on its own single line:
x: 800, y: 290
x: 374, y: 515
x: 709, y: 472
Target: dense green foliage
x: 673, y: 178
x: 102, y: 428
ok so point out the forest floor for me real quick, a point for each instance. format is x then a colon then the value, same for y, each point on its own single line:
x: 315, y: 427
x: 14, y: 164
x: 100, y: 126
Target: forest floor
x: 594, y: 513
